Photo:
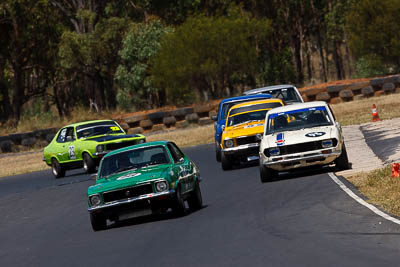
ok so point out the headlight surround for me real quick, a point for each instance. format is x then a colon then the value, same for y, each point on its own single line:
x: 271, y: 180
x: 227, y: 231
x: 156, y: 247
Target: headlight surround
x: 161, y: 186
x: 274, y: 151
x: 326, y: 143
x: 100, y: 148
x: 95, y: 200
x: 141, y: 141
x: 228, y: 143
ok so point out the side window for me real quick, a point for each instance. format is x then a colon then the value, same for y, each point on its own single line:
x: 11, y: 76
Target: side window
x: 70, y: 134
x: 62, y: 135
x: 177, y: 155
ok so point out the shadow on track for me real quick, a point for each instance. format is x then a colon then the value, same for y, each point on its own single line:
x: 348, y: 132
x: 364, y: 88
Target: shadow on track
x: 150, y: 218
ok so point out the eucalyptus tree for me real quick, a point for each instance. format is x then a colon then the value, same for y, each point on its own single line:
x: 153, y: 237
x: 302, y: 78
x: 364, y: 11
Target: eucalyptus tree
x: 29, y: 29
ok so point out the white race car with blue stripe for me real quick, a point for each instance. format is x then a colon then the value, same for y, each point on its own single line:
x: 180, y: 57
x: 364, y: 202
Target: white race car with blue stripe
x: 301, y: 135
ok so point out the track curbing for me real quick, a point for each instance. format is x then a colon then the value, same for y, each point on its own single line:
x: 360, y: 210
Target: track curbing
x: 361, y: 201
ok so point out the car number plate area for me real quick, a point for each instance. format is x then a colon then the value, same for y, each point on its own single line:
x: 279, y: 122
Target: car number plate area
x: 251, y: 158
x: 134, y: 214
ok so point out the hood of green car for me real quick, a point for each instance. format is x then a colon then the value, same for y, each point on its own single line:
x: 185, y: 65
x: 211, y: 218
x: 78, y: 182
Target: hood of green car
x: 130, y: 178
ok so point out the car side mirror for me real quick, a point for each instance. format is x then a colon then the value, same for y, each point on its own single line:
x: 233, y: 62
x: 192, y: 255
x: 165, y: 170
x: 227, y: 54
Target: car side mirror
x: 214, y: 118
x: 259, y: 137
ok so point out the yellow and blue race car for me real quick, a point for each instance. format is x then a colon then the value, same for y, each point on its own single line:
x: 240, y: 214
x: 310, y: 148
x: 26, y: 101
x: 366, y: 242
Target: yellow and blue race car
x: 243, y: 130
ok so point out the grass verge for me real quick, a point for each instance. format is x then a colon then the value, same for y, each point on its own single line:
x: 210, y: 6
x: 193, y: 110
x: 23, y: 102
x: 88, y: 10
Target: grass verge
x: 380, y: 188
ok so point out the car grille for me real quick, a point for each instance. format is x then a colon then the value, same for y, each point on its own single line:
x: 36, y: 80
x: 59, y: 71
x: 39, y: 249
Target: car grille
x: 299, y: 148
x: 125, y: 193
x: 114, y: 146
x: 246, y: 140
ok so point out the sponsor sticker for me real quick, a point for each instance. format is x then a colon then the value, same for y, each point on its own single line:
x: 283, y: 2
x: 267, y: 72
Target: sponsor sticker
x: 128, y: 176
x: 280, y: 140
x: 315, y: 134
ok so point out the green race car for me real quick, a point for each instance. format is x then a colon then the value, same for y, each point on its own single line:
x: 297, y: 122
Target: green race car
x: 141, y: 180
x: 84, y: 144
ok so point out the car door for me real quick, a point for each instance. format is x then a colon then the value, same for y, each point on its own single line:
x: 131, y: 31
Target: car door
x: 183, y: 168
x: 65, y: 145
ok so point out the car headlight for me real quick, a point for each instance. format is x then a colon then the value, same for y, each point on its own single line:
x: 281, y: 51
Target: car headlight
x: 141, y: 141
x: 100, y: 148
x: 161, y: 186
x: 228, y: 143
x: 274, y: 151
x: 327, y: 143
x: 95, y: 200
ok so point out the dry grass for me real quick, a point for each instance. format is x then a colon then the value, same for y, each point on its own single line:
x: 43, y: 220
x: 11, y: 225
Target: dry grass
x: 380, y: 188
x: 186, y: 137
x: 21, y: 163
x: 357, y: 112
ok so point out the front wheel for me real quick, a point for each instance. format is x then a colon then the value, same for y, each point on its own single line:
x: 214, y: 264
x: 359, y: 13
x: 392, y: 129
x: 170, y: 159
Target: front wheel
x: 226, y: 162
x: 98, y: 222
x: 88, y: 163
x: 195, y: 200
x: 217, y: 152
x: 178, y: 206
x: 342, y: 162
x: 57, y: 169
x: 267, y: 174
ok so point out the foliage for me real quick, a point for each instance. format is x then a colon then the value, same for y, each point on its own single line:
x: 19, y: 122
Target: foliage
x: 209, y: 54
x: 136, y: 84
x: 374, y: 31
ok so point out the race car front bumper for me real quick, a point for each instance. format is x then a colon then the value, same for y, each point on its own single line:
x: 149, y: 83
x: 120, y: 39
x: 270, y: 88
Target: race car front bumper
x: 299, y: 160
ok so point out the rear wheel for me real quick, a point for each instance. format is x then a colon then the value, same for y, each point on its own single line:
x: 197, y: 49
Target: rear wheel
x: 226, y: 162
x: 98, y: 222
x: 88, y: 163
x: 267, y: 174
x: 195, y: 200
x: 342, y: 162
x: 178, y: 207
x: 57, y: 169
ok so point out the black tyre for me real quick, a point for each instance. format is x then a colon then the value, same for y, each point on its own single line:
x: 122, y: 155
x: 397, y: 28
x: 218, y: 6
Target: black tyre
x: 217, y: 152
x: 178, y: 206
x: 98, y: 222
x: 195, y: 200
x: 342, y: 162
x: 88, y: 163
x: 226, y: 162
x: 57, y: 169
x: 267, y: 174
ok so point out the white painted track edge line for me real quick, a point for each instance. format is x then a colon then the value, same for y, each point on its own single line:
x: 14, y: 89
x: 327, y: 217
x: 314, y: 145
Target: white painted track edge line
x: 361, y: 201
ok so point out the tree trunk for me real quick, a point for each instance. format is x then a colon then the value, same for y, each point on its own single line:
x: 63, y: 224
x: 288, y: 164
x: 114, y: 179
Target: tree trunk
x: 338, y: 61
x: 18, y: 94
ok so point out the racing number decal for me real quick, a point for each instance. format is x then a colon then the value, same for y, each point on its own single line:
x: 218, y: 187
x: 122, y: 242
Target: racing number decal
x: 71, y: 152
x: 114, y: 128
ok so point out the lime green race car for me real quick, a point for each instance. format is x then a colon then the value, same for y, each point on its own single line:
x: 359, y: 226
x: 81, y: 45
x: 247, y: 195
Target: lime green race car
x: 141, y: 180
x: 84, y: 144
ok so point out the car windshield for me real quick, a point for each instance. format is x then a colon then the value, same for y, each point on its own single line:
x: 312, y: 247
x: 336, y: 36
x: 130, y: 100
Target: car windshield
x: 288, y: 95
x: 97, y: 128
x: 250, y: 113
x: 227, y: 106
x: 298, y: 119
x: 133, y: 159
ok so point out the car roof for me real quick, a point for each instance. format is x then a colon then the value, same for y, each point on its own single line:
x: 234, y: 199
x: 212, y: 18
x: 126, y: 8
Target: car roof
x: 154, y: 143
x: 298, y: 106
x: 255, y: 102
x: 85, y: 122
x: 243, y: 97
x: 273, y: 87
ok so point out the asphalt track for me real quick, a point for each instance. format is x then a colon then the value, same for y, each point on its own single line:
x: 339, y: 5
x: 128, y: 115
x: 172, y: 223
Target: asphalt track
x: 301, y: 220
